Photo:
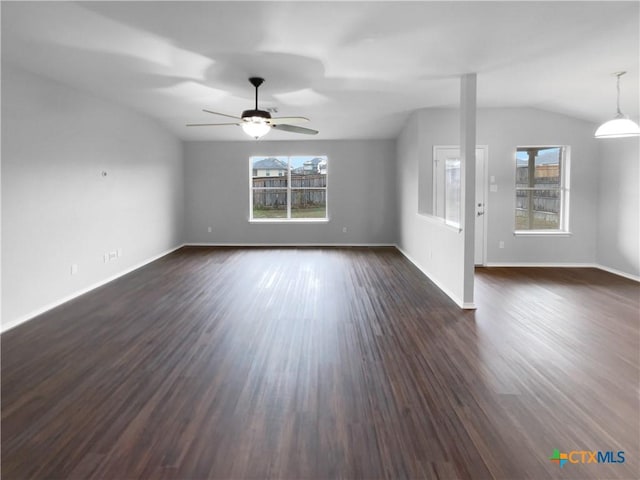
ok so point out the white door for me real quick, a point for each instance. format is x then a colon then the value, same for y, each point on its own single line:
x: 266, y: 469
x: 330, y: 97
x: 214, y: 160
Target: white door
x: 481, y: 160
x: 445, y: 157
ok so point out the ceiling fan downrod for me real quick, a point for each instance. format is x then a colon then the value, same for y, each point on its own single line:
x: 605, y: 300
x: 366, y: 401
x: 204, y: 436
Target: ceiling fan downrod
x: 256, y: 112
x: 256, y: 82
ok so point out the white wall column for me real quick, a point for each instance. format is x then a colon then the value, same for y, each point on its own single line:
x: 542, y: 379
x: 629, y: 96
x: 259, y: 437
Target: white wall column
x: 468, y: 181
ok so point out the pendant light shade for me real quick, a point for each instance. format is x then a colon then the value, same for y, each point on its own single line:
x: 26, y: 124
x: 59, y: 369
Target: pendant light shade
x: 617, y: 128
x: 620, y: 126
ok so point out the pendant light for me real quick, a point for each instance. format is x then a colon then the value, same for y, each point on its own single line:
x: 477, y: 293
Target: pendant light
x: 621, y: 125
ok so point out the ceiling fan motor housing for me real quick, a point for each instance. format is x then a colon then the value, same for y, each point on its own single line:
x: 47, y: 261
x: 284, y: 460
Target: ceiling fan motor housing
x: 247, y: 114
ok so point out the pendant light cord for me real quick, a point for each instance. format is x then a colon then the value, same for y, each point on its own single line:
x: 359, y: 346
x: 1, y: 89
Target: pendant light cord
x: 620, y: 114
x: 621, y: 125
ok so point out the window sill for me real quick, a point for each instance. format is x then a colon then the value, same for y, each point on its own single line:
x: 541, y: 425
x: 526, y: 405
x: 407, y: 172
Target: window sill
x: 285, y: 221
x: 541, y: 233
x: 440, y: 222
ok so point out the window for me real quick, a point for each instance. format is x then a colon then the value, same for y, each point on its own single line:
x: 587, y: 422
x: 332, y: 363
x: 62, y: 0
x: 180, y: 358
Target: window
x: 288, y: 188
x: 452, y: 191
x: 446, y: 184
x: 542, y: 192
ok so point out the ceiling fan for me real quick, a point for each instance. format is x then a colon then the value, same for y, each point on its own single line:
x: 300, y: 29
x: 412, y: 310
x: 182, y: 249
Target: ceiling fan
x: 257, y: 123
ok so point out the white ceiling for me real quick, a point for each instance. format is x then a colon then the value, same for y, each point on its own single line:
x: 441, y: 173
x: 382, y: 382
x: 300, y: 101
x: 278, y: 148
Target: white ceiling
x: 357, y: 69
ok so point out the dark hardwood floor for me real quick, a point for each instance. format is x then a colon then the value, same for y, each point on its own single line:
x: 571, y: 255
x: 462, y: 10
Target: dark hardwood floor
x: 323, y: 363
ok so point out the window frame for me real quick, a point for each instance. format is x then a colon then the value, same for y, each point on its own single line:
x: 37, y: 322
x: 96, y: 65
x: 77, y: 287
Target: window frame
x: 563, y: 189
x: 289, y: 189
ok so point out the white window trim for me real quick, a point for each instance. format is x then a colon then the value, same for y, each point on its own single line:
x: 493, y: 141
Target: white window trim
x: 293, y: 220
x: 542, y: 233
x: 564, y: 230
x: 288, y: 189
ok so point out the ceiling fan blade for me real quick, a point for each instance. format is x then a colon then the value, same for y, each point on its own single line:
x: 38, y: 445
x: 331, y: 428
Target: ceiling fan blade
x: 209, y: 124
x: 294, y: 129
x: 280, y: 120
x: 222, y: 114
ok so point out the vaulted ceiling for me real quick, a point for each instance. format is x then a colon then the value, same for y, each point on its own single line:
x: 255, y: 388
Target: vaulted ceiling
x: 357, y: 69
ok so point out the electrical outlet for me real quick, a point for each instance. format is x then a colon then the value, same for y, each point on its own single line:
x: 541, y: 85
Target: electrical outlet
x: 344, y: 229
x: 74, y: 269
x: 501, y: 244
x: 209, y: 229
x: 119, y: 251
x: 113, y: 255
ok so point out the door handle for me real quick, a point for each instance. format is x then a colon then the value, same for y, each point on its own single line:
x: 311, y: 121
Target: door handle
x: 481, y: 213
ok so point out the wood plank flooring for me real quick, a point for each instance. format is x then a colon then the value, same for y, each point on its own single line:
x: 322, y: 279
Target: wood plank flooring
x: 323, y: 363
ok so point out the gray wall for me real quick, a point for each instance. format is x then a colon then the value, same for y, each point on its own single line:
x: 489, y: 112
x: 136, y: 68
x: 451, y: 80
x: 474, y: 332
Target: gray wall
x: 505, y: 129
x: 361, y: 193
x: 57, y: 208
x: 436, y: 248
x: 618, y: 245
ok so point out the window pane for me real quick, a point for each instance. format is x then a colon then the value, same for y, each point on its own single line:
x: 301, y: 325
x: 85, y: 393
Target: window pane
x: 522, y: 168
x: 308, y: 171
x: 537, y: 209
x: 546, y: 209
x: 308, y: 180
x: 309, y: 203
x: 452, y: 191
x: 269, y: 172
x: 547, y: 167
x: 269, y: 203
x: 522, y: 209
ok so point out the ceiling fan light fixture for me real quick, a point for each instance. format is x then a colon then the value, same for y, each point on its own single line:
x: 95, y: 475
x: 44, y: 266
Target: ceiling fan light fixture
x: 255, y: 127
x: 621, y: 126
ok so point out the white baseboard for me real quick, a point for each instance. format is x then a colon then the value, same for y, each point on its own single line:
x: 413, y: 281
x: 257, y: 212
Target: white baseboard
x: 538, y: 264
x: 620, y: 273
x: 14, y: 323
x: 240, y: 245
x: 451, y: 295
